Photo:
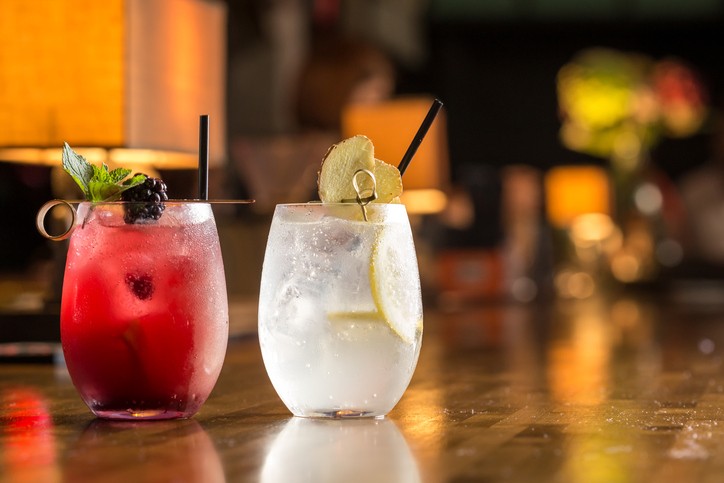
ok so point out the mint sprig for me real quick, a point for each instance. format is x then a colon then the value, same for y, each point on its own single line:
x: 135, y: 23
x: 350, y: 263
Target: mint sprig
x: 97, y: 182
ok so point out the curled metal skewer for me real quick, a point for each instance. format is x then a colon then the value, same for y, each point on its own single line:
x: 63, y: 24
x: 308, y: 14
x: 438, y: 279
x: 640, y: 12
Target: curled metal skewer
x: 42, y: 213
x: 364, y: 196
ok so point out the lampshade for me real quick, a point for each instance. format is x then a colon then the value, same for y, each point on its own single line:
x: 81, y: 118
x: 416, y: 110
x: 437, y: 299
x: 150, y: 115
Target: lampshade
x: 391, y: 126
x: 128, y: 76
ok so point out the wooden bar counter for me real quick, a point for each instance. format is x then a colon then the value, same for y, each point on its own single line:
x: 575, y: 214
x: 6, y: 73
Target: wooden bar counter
x: 624, y: 390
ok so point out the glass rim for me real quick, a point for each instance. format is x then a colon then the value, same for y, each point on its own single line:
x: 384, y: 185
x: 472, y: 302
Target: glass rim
x: 371, y: 212
x: 86, y: 205
x: 173, y: 201
x: 340, y: 204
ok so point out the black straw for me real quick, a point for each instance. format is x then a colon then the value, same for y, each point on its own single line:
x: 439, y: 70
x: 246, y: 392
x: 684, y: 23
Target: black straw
x: 204, y: 157
x: 421, y: 132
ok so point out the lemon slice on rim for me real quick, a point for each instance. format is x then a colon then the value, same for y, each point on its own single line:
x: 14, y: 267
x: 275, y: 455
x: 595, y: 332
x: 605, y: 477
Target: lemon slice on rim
x: 395, y: 286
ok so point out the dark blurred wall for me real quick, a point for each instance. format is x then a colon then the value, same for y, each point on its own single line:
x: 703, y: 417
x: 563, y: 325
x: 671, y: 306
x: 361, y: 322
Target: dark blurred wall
x: 498, y: 81
x: 493, y: 63
x: 23, y: 189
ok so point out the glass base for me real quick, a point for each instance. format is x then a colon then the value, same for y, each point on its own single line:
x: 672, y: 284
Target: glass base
x: 141, y: 414
x: 339, y: 414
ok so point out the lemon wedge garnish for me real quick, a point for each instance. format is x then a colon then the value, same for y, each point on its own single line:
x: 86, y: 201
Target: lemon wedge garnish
x: 394, y: 286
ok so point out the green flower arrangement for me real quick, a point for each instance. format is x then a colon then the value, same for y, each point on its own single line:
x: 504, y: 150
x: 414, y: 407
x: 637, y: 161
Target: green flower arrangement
x: 618, y: 105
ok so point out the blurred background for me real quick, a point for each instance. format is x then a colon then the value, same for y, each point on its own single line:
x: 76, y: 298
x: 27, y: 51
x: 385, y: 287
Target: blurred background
x: 580, y: 148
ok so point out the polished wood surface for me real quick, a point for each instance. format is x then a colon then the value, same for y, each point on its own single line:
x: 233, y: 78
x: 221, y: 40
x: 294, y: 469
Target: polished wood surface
x: 622, y: 390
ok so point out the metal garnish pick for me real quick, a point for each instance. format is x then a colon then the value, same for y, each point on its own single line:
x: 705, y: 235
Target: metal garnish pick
x: 363, y: 200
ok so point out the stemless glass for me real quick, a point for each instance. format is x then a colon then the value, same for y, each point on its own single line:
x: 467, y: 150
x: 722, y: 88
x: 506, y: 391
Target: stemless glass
x: 144, y: 311
x: 340, y: 309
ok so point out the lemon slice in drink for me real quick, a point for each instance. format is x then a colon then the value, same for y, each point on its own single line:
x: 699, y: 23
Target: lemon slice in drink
x: 391, y: 273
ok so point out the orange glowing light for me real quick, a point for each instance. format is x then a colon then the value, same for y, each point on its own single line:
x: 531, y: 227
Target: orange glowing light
x: 124, y: 74
x: 576, y: 190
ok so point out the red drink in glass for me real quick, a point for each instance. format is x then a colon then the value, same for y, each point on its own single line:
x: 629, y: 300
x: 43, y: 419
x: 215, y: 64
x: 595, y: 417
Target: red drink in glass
x: 144, y: 314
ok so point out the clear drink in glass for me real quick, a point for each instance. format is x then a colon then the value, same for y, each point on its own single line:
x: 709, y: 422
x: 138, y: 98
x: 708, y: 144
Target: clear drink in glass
x: 340, y: 309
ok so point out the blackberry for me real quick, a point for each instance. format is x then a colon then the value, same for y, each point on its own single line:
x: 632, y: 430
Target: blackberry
x: 146, y: 201
x: 140, y: 285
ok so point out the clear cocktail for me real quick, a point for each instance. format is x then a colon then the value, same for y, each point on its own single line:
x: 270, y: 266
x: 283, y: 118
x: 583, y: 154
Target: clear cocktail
x: 340, y: 311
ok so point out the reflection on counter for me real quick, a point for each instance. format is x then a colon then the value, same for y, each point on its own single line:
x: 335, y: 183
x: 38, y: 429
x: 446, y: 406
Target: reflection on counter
x: 162, y: 450
x: 363, y: 450
x: 29, y: 451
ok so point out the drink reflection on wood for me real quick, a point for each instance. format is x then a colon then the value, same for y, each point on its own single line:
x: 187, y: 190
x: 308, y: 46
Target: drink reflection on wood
x: 586, y: 238
x: 618, y: 390
x: 333, y: 450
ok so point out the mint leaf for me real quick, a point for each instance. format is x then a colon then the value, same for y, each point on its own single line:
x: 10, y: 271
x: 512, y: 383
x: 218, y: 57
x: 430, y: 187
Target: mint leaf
x: 100, y: 174
x: 97, y: 182
x: 119, y: 174
x: 135, y: 181
x: 100, y: 186
x: 77, y: 167
x: 103, y: 191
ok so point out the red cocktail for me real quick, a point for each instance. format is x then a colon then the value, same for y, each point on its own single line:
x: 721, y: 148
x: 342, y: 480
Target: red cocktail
x: 144, y: 315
